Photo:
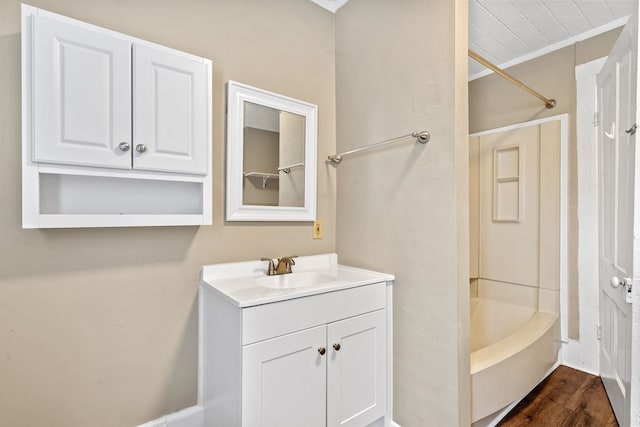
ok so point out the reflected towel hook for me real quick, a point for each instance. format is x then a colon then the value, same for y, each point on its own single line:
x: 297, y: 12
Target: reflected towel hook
x: 422, y: 137
x: 611, y: 135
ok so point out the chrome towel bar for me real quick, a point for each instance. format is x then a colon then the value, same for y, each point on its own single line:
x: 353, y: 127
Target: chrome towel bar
x: 287, y: 169
x: 422, y: 137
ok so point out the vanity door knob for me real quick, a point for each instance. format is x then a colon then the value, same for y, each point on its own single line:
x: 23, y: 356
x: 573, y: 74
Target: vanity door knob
x: 336, y: 346
x: 141, y: 148
x: 124, y: 146
x: 321, y: 350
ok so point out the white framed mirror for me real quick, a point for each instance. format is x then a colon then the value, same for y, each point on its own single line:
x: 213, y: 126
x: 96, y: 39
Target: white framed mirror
x: 271, y: 156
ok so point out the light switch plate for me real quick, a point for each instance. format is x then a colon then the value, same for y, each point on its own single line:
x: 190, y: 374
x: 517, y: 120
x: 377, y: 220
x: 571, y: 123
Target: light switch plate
x: 317, y: 229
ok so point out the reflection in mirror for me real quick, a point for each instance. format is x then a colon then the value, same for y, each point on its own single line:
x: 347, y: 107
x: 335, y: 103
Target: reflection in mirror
x: 273, y: 157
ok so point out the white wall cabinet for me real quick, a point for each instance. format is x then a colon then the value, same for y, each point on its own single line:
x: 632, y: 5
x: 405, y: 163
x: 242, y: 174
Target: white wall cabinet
x: 81, y: 95
x: 321, y: 360
x: 116, y: 130
x: 170, y: 112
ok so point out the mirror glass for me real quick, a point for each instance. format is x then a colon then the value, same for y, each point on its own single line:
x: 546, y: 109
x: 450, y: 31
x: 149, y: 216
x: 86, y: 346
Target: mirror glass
x: 271, y: 156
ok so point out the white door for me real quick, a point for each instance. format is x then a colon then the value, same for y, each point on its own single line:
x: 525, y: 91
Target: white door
x: 284, y: 380
x: 82, y: 96
x: 619, y: 222
x: 356, y: 372
x: 170, y: 112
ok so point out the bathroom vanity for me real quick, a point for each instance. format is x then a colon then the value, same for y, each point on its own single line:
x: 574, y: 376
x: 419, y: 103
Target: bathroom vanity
x: 310, y: 348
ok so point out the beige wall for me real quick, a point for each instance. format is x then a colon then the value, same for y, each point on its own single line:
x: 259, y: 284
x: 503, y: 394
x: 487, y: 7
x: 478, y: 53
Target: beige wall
x: 403, y: 209
x: 98, y: 326
x: 493, y: 103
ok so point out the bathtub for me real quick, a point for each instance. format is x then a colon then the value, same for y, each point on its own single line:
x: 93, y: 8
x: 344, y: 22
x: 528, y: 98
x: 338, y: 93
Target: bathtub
x: 512, y: 348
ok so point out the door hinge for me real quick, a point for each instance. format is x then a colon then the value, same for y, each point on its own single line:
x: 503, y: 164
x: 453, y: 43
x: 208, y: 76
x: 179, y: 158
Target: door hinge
x: 632, y: 129
x: 595, y: 119
x: 599, y: 332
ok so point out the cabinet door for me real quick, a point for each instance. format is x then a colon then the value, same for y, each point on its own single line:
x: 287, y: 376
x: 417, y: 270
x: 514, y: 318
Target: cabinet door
x: 284, y: 381
x: 81, y: 95
x: 356, y: 372
x: 170, y: 110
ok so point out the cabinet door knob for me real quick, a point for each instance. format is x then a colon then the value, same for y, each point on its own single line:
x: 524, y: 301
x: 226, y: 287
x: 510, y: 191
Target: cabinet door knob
x: 141, y: 148
x: 321, y: 350
x: 337, y: 346
x: 124, y: 146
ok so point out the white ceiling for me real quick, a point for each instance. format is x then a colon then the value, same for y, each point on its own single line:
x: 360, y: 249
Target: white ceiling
x: 508, y: 32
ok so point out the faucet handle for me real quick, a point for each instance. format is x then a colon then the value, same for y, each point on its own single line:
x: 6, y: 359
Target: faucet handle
x: 271, y: 268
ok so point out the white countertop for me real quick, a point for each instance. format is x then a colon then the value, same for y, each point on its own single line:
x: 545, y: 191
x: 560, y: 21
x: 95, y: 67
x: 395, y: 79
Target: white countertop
x: 239, y: 283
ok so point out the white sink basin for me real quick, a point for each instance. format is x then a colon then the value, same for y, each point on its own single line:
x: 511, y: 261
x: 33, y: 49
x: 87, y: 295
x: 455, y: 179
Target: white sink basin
x: 294, y: 280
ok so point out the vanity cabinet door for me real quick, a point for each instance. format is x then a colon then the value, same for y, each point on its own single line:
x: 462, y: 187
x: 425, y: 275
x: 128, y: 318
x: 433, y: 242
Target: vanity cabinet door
x: 357, y: 377
x: 284, y: 381
x: 81, y: 95
x: 170, y: 111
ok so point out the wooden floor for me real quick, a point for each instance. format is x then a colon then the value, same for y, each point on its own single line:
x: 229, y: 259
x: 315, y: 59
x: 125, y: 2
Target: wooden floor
x: 566, y: 398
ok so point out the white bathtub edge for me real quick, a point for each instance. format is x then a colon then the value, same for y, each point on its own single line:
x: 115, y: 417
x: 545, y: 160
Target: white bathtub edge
x: 525, y: 368
x: 512, y: 344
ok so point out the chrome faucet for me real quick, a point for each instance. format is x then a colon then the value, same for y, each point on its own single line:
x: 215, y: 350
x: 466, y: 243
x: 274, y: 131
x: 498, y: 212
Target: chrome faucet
x: 282, y: 267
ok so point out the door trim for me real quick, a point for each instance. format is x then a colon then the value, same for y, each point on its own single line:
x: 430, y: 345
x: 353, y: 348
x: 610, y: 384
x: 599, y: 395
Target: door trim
x: 584, y: 353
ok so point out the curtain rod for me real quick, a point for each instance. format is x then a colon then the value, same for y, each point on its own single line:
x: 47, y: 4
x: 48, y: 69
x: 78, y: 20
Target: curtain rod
x: 548, y: 102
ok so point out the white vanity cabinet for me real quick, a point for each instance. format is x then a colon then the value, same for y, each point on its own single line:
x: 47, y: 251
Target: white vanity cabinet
x: 116, y: 130
x: 284, y: 380
x: 356, y: 375
x: 288, y: 380
x: 319, y: 360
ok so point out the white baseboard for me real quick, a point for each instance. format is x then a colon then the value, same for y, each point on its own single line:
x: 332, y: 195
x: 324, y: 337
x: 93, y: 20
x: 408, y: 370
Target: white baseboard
x: 160, y: 422
x: 190, y: 417
x: 583, y: 356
